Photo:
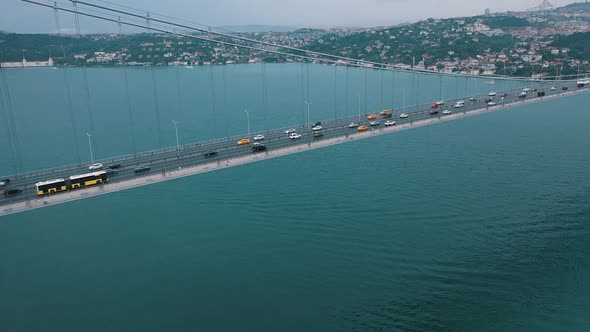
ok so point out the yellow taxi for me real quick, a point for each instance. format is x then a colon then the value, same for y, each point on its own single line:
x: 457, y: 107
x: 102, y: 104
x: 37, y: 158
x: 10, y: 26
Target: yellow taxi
x: 362, y: 128
x: 244, y: 141
x: 372, y: 117
x: 385, y: 112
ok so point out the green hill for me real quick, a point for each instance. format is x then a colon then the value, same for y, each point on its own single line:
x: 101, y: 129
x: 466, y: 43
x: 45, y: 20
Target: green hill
x: 578, y: 43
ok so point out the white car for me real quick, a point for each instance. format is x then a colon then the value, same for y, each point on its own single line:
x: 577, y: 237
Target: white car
x: 526, y: 90
x: 389, y: 123
x: 491, y: 94
x: 353, y: 125
x: 294, y: 136
x: 553, y: 88
x: 461, y: 102
x: 491, y: 103
x: 404, y: 115
x: 289, y: 131
x: 374, y: 123
x: 316, y: 128
x: 457, y: 105
x: 446, y: 112
x: 472, y: 99
x: 258, y: 137
x: 440, y: 102
x: 95, y: 167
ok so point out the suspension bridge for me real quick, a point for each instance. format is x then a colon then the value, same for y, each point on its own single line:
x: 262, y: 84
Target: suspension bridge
x: 22, y: 190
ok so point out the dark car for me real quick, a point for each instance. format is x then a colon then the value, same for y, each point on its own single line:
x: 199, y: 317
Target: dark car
x: 12, y: 192
x: 210, y: 154
x: 111, y: 172
x: 258, y: 148
x: 433, y: 112
x: 564, y: 88
x: 142, y: 169
x: 117, y: 166
x: 540, y: 93
x: 4, y: 182
x: 580, y: 85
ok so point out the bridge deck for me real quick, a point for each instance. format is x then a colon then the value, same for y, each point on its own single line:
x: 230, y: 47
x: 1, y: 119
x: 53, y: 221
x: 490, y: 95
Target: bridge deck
x: 167, y: 165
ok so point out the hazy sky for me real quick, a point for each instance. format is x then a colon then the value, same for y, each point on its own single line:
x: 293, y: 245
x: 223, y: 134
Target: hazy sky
x: 18, y: 16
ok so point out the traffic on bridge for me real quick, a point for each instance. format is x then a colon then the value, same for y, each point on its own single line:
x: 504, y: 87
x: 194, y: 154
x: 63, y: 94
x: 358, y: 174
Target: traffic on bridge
x: 40, y: 184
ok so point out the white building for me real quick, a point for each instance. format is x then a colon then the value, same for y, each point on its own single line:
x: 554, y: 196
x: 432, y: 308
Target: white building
x: 25, y: 63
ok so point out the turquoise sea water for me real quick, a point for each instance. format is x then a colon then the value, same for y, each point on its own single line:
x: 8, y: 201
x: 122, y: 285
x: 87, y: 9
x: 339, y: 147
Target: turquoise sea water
x: 475, y: 224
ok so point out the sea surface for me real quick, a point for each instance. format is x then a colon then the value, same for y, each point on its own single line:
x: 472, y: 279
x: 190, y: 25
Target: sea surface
x: 478, y: 224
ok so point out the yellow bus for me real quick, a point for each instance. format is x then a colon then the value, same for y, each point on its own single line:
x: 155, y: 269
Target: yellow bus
x: 51, y: 186
x: 88, y: 179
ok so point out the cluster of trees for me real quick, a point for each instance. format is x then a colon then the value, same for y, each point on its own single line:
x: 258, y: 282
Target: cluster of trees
x: 578, y: 43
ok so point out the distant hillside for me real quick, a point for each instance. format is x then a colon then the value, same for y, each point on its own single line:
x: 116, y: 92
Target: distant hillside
x: 578, y: 43
x: 577, y: 5
x: 257, y: 28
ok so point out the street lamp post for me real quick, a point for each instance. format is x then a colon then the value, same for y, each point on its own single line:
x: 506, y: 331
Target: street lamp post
x: 505, y: 79
x: 90, y: 145
x: 248, y: 119
x: 176, y: 131
x: 404, y: 100
x: 359, y: 108
x: 308, y: 123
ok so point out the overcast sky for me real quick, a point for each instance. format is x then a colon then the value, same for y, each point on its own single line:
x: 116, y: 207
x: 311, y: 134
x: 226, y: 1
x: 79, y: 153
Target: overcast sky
x: 18, y: 16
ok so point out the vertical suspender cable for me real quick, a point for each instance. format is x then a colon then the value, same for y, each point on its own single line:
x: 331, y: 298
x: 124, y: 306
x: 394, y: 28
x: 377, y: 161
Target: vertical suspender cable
x: 156, y: 106
x: 56, y: 14
x: 346, y: 90
x: 414, y: 86
x: 307, y: 81
x: 302, y: 100
x: 68, y: 93
x: 335, y: 97
x: 213, y: 97
x: 440, y: 93
x: 179, y: 100
x: 224, y: 95
x: 465, y: 89
x: 89, y: 107
x: 264, y: 92
x: 6, y: 119
x: 128, y: 100
x: 129, y: 111
x: 155, y: 90
x: 86, y: 87
x: 13, y: 133
x: 382, y: 105
x: 72, y: 114
x: 76, y: 18
x: 417, y: 89
x: 365, y: 99
x: 392, y: 88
